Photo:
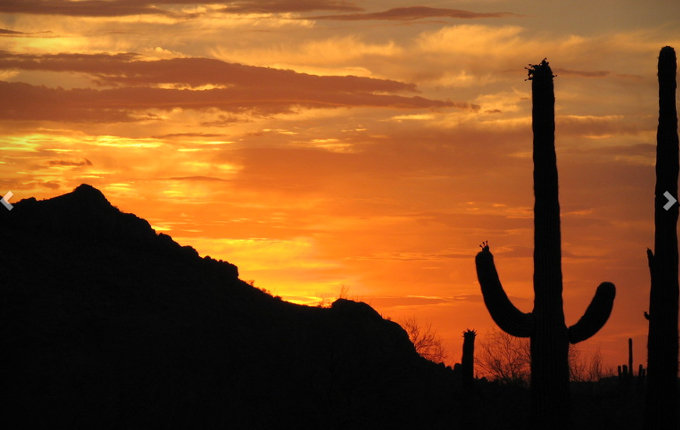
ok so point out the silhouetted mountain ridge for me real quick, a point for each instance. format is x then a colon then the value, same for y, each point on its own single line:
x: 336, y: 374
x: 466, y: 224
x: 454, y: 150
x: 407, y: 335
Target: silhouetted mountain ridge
x: 107, y: 324
x: 85, y: 217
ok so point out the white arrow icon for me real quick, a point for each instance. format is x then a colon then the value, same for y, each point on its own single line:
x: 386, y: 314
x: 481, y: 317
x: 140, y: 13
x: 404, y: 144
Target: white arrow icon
x: 5, y: 200
x: 671, y: 200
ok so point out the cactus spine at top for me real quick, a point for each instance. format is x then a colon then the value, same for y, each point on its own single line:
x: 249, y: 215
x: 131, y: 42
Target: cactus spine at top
x: 545, y: 325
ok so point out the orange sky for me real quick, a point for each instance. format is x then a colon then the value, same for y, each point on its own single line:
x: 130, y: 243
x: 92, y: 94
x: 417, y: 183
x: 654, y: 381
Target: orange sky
x: 323, y: 145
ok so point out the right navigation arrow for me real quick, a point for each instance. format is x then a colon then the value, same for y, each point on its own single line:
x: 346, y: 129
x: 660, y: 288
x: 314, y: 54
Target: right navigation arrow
x: 671, y: 200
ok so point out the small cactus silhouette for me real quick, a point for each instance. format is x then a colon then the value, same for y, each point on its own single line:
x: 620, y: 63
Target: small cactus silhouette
x: 468, y: 360
x: 630, y: 355
x: 661, y: 408
x: 625, y: 372
x: 468, y: 380
x: 545, y: 325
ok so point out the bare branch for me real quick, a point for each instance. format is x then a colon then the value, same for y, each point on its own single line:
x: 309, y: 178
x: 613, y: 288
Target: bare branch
x: 425, y: 340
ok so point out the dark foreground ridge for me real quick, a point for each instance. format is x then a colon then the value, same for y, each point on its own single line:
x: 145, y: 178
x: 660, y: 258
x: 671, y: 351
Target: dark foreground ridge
x: 106, y: 324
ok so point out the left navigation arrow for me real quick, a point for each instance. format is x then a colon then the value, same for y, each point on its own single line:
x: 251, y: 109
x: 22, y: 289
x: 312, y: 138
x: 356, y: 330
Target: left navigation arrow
x: 5, y: 200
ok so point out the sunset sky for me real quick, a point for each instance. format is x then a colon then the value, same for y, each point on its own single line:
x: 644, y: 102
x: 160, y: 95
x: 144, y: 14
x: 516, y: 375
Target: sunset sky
x: 367, y: 147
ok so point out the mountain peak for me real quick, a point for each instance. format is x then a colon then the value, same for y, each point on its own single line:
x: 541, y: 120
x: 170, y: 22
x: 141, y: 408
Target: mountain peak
x: 88, y: 192
x: 85, y: 219
x: 83, y: 215
x: 85, y: 197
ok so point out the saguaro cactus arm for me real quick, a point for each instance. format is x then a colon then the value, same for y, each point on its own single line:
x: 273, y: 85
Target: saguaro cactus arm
x: 503, y: 312
x: 596, y: 314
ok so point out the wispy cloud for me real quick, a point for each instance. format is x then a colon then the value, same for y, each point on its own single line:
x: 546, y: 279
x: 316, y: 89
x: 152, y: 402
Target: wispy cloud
x: 80, y: 8
x: 70, y: 163
x: 274, y: 6
x: 101, y: 8
x: 7, y: 32
x: 413, y: 13
x: 197, y: 178
x: 396, y: 301
x: 593, y: 73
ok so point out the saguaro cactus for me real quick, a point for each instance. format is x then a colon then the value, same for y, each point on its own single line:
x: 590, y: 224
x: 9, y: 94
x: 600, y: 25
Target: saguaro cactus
x: 545, y: 325
x: 630, y: 355
x: 626, y: 371
x: 468, y: 360
x: 661, y: 409
x: 467, y: 372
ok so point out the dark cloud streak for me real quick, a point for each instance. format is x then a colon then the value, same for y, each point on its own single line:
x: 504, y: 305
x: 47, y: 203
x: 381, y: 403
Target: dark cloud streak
x: 7, y: 32
x: 133, y: 85
x: 274, y: 6
x: 93, y: 8
x: 70, y: 163
x: 414, y: 13
x: 595, y: 74
x: 100, y: 8
x: 21, y: 101
x: 125, y: 69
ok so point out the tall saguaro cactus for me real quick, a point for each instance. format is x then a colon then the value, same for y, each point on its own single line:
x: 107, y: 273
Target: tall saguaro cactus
x: 661, y: 409
x: 545, y: 325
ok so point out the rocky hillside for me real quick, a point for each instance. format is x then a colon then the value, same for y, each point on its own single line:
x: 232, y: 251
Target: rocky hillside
x: 106, y: 324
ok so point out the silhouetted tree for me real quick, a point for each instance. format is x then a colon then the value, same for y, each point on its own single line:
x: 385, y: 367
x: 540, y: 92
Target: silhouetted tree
x: 595, y: 370
x: 504, y: 358
x: 545, y: 325
x: 425, y: 340
x: 585, y: 367
x: 578, y: 365
x: 507, y: 359
x: 661, y: 409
